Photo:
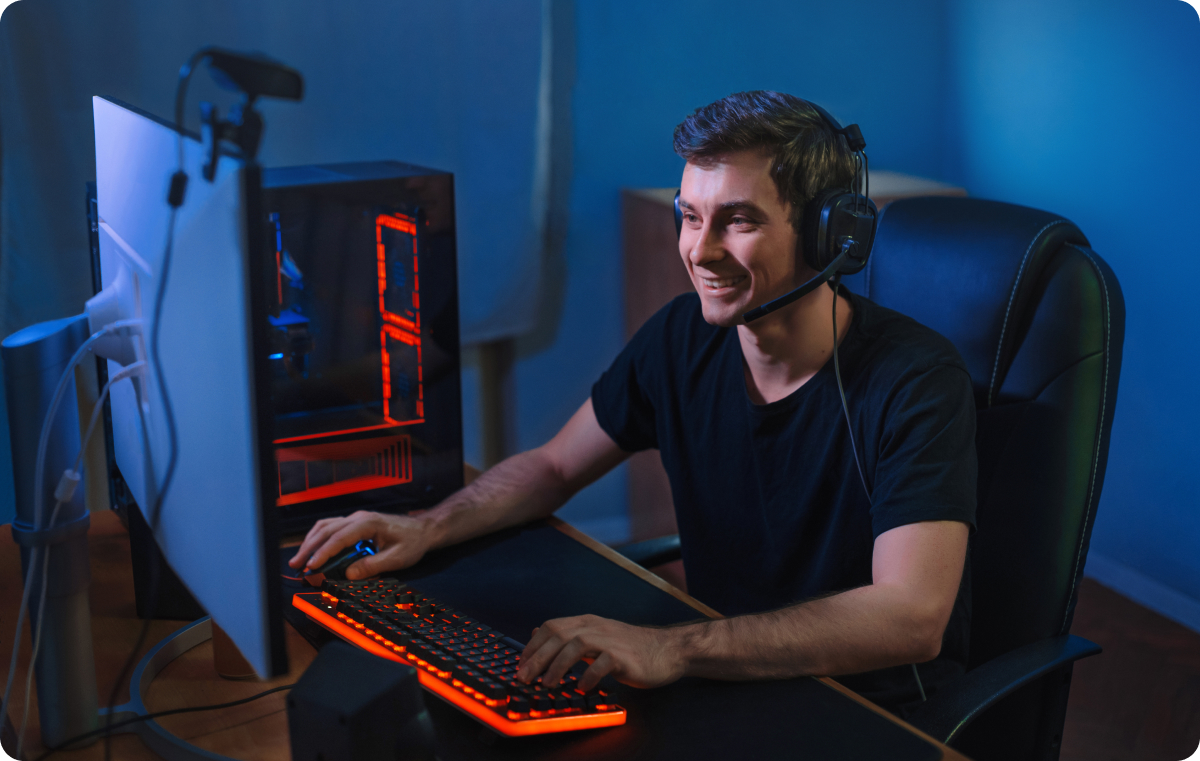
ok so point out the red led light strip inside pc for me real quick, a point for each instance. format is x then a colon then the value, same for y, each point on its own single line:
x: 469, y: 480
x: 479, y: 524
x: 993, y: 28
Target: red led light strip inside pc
x: 402, y: 328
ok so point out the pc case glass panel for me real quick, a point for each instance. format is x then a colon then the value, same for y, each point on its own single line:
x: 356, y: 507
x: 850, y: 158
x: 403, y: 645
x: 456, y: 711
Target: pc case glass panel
x: 362, y: 278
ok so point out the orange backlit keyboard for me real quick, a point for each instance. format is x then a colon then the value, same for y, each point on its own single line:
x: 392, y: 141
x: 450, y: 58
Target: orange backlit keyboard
x: 458, y: 659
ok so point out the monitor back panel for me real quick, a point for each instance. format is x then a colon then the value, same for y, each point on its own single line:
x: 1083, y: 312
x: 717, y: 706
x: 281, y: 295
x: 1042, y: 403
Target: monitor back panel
x: 213, y: 528
x: 364, y: 355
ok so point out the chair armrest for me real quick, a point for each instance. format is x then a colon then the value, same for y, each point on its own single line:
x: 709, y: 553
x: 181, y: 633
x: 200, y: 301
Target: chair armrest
x: 958, y: 703
x: 652, y: 552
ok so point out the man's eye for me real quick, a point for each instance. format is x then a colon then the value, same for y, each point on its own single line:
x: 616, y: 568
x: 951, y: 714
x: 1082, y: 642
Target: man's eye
x: 741, y: 221
x: 691, y: 218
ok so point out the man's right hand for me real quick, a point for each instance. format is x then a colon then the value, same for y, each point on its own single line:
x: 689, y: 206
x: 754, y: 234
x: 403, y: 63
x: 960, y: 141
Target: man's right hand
x: 400, y: 541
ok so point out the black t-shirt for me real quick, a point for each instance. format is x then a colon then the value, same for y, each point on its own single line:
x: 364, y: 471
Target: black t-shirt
x: 770, y: 506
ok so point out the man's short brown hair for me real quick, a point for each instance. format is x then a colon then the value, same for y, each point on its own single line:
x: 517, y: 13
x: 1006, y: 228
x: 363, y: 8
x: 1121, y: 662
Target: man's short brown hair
x: 807, y: 155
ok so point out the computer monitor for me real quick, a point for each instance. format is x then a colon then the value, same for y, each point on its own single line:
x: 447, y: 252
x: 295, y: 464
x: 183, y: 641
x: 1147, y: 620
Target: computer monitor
x: 218, y: 527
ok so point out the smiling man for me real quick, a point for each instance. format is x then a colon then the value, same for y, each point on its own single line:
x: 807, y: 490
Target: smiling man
x: 821, y: 571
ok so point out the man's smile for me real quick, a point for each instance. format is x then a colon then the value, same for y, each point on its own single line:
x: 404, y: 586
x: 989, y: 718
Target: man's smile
x: 716, y: 284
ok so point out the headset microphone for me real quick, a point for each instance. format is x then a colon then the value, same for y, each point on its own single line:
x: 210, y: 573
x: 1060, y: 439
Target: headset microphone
x: 848, y: 245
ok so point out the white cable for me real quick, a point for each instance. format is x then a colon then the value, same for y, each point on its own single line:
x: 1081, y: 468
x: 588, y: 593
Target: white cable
x: 43, y: 440
x: 71, y: 476
x: 134, y: 368
x: 41, y: 619
x: 39, y: 473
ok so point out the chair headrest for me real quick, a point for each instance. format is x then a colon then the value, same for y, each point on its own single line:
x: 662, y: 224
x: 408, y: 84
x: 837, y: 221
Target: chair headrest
x: 967, y: 268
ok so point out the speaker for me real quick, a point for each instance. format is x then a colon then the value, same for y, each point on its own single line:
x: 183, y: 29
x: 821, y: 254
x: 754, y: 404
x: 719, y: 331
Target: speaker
x: 354, y: 706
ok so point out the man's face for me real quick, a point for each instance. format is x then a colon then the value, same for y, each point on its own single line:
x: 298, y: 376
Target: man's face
x: 737, y: 241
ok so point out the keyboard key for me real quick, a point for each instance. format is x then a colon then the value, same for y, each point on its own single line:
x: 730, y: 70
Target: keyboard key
x: 442, y: 661
x: 493, y: 690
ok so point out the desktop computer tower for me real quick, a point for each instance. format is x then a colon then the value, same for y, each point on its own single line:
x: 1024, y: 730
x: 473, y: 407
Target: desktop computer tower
x: 364, y: 330
x: 364, y: 360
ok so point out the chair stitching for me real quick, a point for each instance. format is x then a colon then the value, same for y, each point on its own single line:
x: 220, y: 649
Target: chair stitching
x: 1100, y: 429
x: 1011, y: 298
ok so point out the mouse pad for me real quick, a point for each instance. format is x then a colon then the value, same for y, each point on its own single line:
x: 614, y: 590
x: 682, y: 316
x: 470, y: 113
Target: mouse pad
x: 515, y: 579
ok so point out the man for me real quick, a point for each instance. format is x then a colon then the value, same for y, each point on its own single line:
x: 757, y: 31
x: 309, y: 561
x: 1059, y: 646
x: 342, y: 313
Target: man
x: 777, y: 527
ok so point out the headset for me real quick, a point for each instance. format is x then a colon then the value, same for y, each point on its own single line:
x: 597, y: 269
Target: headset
x: 838, y: 226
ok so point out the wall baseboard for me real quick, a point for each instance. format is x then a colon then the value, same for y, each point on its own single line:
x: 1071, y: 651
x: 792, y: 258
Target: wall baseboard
x: 1158, y: 597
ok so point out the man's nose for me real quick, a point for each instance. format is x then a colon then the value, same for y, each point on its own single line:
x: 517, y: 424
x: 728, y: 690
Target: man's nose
x: 706, y: 246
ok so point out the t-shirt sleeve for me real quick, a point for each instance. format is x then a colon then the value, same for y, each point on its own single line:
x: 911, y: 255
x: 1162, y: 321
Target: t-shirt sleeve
x: 623, y: 397
x: 926, y: 467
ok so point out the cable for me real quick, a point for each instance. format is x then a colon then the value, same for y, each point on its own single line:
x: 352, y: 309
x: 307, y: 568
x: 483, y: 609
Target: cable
x: 39, y: 475
x: 850, y: 426
x: 159, y: 714
x: 126, y: 372
x: 185, y: 75
x: 36, y: 635
x: 837, y: 371
x: 44, y: 437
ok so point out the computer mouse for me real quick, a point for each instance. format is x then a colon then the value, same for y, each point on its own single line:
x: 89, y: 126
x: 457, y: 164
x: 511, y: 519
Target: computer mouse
x: 335, y: 567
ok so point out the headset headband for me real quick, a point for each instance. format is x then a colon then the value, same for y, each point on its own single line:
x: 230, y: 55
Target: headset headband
x: 853, y: 134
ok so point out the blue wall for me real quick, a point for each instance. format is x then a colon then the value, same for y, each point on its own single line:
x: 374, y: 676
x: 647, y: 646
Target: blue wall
x: 640, y: 69
x: 1090, y: 109
x: 1085, y: 108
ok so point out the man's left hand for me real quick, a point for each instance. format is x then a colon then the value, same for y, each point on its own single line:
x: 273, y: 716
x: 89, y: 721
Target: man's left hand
x: 634, y: 655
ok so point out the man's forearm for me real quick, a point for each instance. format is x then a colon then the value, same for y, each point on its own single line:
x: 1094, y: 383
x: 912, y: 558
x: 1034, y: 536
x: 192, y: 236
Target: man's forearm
x: 522, y: 488
x: 857, y: 630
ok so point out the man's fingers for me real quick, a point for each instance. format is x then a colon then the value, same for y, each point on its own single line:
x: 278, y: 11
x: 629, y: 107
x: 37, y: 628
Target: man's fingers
x: 373, y: 565
x: 600, y: 668
x: 360, y: 569
x: 344, y: 536
x: 540, y: 651
x: 571, y: 653
x: 316, y: 537
x: 535, y: 642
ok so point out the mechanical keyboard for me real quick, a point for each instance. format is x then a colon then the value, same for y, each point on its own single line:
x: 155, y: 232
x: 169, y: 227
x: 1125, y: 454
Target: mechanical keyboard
x: 460, y: 660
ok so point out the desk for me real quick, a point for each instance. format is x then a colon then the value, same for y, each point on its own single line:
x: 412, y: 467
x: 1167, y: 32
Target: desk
x: 661, y: 721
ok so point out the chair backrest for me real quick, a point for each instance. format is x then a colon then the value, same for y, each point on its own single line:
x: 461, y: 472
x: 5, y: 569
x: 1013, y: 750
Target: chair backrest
x: 1039, y: 319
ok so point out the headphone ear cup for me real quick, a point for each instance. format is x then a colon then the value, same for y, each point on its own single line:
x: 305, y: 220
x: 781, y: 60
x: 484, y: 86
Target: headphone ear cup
x: 814, y: 238
x: 831, y: 217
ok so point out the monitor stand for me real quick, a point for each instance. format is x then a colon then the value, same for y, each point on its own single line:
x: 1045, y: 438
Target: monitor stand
x: 34, y: 362
x: 154, y: 735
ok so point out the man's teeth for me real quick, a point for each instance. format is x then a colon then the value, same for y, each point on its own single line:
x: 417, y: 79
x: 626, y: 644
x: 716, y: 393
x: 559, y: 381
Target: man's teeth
x: 722, y: 283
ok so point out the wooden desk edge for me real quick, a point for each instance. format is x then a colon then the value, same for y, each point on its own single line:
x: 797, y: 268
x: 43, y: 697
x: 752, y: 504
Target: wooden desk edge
x: 948, y: 753
x: 612, y: 555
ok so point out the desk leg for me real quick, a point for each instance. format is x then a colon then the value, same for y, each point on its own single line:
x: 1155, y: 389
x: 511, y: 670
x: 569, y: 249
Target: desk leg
x: 158, y: 739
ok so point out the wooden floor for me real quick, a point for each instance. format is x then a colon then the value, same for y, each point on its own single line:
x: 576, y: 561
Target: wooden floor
x: 1140, y: 698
